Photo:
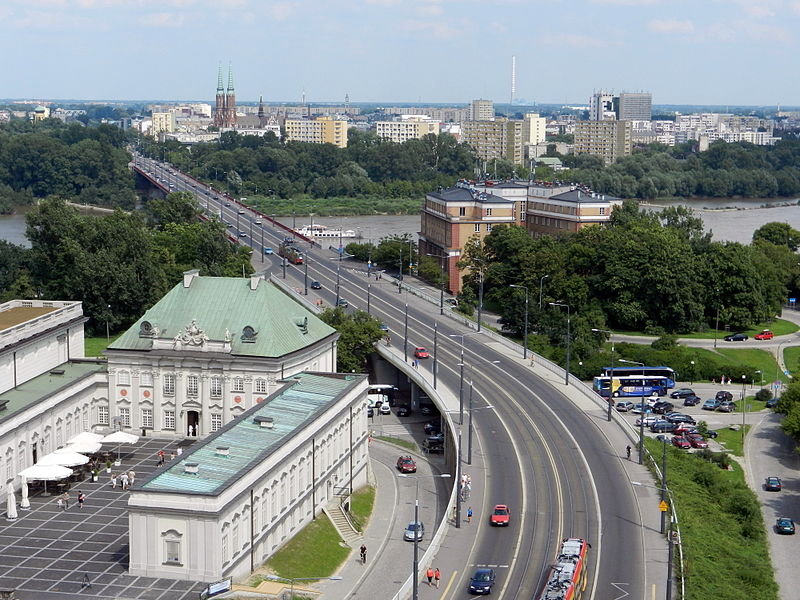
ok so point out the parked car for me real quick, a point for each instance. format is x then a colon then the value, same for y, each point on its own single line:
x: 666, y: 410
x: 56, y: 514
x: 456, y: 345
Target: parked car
x: 432, y: 447
x: 710, y: 433
x: 662, y: 406
x: 772, y: 403
x: 772, y: 484
x: 370, y: 412
x: 406, y: 464
x: 421, y: 352
x: 482, y: 581
x: 691, y: 400
x: 680, y: 418
x: 722, y: 396
x: 681, y: 442
x: 385, y: 410
x: 710, y: 404
x: 623, y: 405
x: 414, y: 531
x: 648, y: 420
x: 682, y: 393
x: 404, y: 411
x: 663, y: 427
x: 436, y: 438
x: 432, y: 427
x: 735, y: 337
x: 640, y: 408
x: 316, y: 285
x: 685, y: 428
x: 501, y: 515
x: 727, y: 406
x: 696, y: 440
x: 784, y: 525
x: 764, y: 335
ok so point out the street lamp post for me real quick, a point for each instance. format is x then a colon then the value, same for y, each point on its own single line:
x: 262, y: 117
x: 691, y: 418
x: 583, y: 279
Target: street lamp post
x: 400, y: 281
x: 691, y: 376
x: 262, y: 243
x: 716, y: 322
x: 337, y: 285
x: 441, y: 281
x: 566, y: 371
x: 405, y: 335
x: 435, y: 352
x: 369, y: 293
x: 611, y: 375
x: 305, y: 275
x: 461, y: 376
x: 744, y: 406
x: 458, y: 480
x: 641, y: 405
x: 480, y: 297
x: 541, y: 283
x: 525, y: 339
x: 469, y: 413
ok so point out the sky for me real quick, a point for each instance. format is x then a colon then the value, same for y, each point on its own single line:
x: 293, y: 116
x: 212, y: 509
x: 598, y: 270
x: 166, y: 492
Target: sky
x: 724, y: 52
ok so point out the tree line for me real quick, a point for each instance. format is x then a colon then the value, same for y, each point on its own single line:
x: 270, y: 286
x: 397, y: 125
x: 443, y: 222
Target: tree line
x: 724, y: 170
x: 88, y: 165
x: 117, y: 265
x: 658, y: 273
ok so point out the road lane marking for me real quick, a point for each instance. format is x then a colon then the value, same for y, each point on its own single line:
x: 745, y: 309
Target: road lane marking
x: 449, y: 583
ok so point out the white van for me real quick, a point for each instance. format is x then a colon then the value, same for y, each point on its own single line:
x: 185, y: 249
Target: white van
x: 379, y: 392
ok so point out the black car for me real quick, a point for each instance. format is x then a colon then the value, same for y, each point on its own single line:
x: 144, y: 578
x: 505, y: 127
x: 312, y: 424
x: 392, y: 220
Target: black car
x: 772, y: 403
x: 432, y: 427
x: 680, y: 418
x: 682, y: 393
x: 481, y: 581
x: 784, y: 525
x: 316, y: 285
x: 342, y: 302
x: 370, y: 412
x: 663, y: 427
x: 723, y: 396
x: 691, y: 400
x: 662, y: 406
x: 404, y: 411
x: 735, y: 337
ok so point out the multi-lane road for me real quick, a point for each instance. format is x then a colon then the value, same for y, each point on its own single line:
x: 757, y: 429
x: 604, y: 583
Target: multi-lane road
x: 542, y: 457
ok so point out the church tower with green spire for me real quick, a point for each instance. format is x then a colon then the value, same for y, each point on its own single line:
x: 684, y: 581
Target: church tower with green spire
x: 219, y: 106
x: 230, y: 101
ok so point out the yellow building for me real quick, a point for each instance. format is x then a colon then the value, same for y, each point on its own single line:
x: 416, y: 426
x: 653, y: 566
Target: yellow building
x: 534, y: 128
x: 567, y: 212
x: 322, y: 130
x: 406, y: 129
x: 40, y: 113
x: 163, y: 122
x: 607, y: 139
x: 501, y: 138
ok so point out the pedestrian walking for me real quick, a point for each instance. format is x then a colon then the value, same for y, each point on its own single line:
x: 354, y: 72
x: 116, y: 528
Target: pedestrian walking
x: 60, y: 503
x: 363, y: 554
x: 124, y: 480
x: 81, y: 499
x: 66, y: 500
x: 113, y: 480
x: 172, y: 456
x: 429, y: 575
x: 628, y: 451
x: 131, y: 477
x: 180, y: 450
x: 86, y: 583
x: 469, y: 515
x: 160, y: 462
x: 437, y: 576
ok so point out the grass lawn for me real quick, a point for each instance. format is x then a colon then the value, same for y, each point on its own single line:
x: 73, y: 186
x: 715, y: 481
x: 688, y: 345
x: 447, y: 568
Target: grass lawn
x: 778, y: 327
x: 732, y: 440
x: 722, y: 531
x: 312, y: 552
x: 94, y: 346
x: 361, y: 506
x: 791, y: 358
x: 398, y: 442
x: 753, y: 357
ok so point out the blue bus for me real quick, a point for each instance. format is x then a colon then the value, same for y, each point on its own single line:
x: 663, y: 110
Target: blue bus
x: 620, y: 370
x: 630, y: 386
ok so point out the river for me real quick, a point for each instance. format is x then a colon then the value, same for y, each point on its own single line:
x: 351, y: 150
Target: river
x: 727, y: 219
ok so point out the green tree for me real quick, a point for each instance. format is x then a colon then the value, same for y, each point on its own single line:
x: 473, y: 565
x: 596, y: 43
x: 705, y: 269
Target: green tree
x: 177, y: 207
x: 358, y: 333
x: 780, y: 234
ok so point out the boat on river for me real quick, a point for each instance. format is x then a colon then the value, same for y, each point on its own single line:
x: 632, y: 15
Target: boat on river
x: 322, y: 231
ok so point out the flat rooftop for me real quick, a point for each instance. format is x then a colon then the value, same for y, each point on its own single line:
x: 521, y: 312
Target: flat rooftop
x: 21, y: 314
x: 303, y: 399
x: 42, y: 387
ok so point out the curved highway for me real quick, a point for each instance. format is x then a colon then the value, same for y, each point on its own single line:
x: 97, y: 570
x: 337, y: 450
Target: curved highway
x: 549, y: 462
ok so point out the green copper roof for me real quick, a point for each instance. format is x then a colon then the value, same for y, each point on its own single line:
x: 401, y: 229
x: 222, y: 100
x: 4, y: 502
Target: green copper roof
x: 221, y: 305
x: 247, y: 441
x: 42, y: 387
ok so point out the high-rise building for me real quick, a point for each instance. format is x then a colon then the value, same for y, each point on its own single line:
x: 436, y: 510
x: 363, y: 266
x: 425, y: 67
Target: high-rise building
x: 534, y: 129
x: 322, y: 130
x: 601, y: 106
x: 163, y: 122
x: 634, y: 106
x: 607, y: 139
x: 481, y: 110
x: 406, y: 129
x: 500, y: 138
x: 225, y: 105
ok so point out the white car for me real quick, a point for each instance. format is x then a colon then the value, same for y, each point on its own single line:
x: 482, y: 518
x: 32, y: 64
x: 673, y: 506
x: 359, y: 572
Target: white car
x: 649, y: 420
x: 385, y: 409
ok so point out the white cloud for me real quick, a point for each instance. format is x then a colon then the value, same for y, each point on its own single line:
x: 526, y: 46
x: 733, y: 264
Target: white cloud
x: 670, y: 26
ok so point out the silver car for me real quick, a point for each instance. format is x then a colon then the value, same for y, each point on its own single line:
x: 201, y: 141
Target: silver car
x: 414, y: 531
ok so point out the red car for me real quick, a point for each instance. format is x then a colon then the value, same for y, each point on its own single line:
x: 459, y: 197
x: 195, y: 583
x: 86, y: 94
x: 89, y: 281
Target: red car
x: 501, y: 515
x: 421, y: 352
x: 406, y: 464
x: 681, y: 442
x: 696, y: 440
x: 764, y: 335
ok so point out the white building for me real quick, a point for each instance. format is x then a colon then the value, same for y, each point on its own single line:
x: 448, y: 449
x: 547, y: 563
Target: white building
x: 407, y: 128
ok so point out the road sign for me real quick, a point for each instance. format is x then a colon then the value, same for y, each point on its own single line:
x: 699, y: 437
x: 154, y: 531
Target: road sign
x: 792, y: 300
x: 663, y: 506
x: 776, y: 385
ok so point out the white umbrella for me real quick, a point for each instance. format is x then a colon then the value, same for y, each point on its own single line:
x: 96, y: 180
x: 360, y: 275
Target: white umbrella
x: 46, y: 473
x: 24, y: 504
x: 120, y: 437
x: 65, y: 459
x: 80, y: 448
x: 11, y: 510
x: 86, y: 436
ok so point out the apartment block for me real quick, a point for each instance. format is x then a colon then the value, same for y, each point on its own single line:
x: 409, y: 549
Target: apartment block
x: 634, y: 106
x: 607, y: 139
x: 406, y: 129
x: 322, y: 130
x: 534, y: 129
x: 500, y: 138
x: 481, y: 110
x: 163, y: 122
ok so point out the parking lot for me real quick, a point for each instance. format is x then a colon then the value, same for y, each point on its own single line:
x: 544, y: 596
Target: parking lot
x: 53, y: 553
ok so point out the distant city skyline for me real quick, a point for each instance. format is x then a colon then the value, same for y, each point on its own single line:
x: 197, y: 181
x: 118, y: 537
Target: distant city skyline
x: 701, y: 52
